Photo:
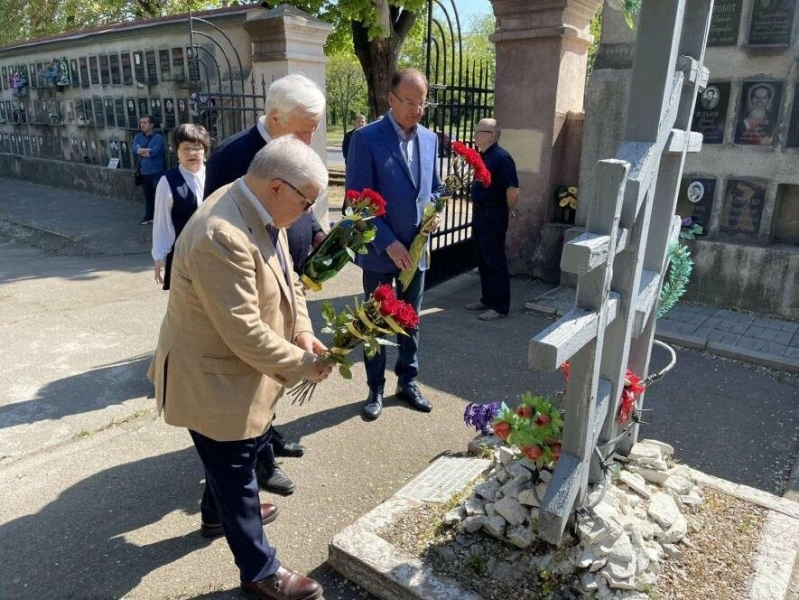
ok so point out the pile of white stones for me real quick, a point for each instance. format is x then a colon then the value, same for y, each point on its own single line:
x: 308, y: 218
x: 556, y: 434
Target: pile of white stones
x: 638, y: 522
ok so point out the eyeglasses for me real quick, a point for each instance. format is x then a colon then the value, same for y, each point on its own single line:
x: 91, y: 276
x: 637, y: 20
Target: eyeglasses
x: 191, y: 149
x: 484, y: 131
x: 411, y: 105
x: 308, y: 203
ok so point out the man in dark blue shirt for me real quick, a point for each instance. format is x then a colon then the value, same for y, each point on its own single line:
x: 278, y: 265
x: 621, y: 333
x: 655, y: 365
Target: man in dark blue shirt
x: 492, y: 207
x: 150, y: 150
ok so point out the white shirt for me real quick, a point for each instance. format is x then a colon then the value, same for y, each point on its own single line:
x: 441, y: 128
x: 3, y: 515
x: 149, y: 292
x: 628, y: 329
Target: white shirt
x: 262, y: 130
x: 163, y: 228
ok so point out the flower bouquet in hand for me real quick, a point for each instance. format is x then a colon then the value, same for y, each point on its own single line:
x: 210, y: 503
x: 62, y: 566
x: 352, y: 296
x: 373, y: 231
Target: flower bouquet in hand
x: 467, y: 166
x: 367, y: 324
x: 348, y: 237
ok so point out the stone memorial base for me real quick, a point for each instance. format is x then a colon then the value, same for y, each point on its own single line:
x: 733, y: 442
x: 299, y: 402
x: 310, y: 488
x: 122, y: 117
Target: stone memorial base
x: 361, y: 555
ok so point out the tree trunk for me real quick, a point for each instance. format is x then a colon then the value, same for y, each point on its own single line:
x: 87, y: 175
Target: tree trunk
x: 378, y: 56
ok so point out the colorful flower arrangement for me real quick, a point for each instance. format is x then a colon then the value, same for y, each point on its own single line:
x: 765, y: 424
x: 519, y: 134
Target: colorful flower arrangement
x: 19, y: 81
x: 466, y: 167
x: 367, y: 325
x: 56, y: 72
x: 689, y: 229
x: 348, y: 237
x: 535, y: 427
x: 633, y: 386
x: 566, y: 196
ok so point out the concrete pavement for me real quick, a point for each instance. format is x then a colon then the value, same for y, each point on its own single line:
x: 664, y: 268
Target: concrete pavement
x: 101, y: 498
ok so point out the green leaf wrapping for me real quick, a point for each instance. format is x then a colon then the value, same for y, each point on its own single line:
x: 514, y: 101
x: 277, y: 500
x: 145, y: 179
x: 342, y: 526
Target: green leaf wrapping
x: 348, y: 236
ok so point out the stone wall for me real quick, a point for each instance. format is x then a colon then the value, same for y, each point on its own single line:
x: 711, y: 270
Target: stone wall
x: 743, y: 187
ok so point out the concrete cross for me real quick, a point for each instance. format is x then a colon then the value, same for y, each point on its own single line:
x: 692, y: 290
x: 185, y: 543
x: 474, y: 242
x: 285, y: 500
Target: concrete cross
x: 621, y: 258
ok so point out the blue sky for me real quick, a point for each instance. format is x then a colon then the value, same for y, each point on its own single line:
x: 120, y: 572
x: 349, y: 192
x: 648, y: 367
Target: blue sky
x: 468, y: 8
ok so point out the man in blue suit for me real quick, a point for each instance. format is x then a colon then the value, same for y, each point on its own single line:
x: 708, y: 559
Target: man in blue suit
x: 397, y: 158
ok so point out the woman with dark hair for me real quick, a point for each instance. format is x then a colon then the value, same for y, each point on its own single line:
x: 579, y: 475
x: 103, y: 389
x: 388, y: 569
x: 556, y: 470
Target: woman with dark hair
x: 179, y: 193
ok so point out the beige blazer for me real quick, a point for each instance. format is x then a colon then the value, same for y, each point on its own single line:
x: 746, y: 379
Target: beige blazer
x: 225, y: 350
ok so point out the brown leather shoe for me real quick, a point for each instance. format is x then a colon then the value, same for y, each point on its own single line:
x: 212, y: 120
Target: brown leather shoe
x: 283, y: 585
x: 268, y: 514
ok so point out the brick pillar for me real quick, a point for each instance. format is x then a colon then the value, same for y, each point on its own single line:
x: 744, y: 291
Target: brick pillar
x: 542, y: 49
x: 287, y: 40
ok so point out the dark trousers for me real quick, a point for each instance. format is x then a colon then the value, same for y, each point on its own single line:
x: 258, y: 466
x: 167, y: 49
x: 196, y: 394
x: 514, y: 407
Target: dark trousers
x: 407, y: 367
x: 148, y: 185
x: 490, y: 225
x: 231, y: 498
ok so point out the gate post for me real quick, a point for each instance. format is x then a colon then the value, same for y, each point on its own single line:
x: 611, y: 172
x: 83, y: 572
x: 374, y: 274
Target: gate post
x: 542, y: 51
x: 286, y: 40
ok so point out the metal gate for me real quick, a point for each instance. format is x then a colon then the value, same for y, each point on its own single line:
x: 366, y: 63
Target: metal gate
x: 461, y: 93
x: 225, y: 98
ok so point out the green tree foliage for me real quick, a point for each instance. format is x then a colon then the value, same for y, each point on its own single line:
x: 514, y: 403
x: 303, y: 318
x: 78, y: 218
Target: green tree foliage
x: 346, y: 88
x: 32, y: 19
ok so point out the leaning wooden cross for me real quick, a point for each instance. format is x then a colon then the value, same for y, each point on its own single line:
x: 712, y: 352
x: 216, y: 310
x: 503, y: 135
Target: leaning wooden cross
x: 620, y: 260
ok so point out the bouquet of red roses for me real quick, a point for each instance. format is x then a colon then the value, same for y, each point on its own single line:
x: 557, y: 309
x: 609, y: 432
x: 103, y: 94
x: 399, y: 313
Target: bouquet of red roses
x: 348, y: 237
x: 368, y: 324
x: 467, y: 166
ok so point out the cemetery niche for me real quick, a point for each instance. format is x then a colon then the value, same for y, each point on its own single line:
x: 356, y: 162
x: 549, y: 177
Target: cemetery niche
x: 695, y: 201
x: 743, y: 208
x: 710, y: 112
x: 758, y: 113
x: 725, y: 22
x: 771, y: 22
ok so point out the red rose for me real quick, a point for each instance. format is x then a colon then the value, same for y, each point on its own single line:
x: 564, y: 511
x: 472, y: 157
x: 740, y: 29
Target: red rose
x: 626, y: 406
x: 555, y: 451
x: 566, y: 370
x: 389, y: 307
x: 406, y: 316
x: 525, y: 412
x: 502, y: 429
x: 383, y: 292
x: 352, y: 195
x: 532, y: 452
x: 543, y: 420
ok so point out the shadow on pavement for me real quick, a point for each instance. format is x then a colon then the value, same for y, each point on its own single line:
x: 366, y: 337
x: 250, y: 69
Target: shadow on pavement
x: 81, y: 540
x: 104, y: 386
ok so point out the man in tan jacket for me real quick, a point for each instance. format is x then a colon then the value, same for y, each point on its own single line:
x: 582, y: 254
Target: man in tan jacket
x: 236, y: 332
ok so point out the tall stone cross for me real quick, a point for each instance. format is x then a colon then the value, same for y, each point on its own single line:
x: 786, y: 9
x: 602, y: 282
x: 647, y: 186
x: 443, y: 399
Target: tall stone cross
x: 621, y: 258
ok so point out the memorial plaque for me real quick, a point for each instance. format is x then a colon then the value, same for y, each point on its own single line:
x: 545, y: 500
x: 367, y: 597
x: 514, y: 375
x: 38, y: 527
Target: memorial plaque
x: 26, y: 145
x: 102, y: 153
x: 74, y: 74
x: 178, y: 69
x: 165, y: 64
x: 124, y: 150
x: 94, y: 157
x: 113, y: 147
x: 4, y: 80
x: 119, y: 109
x: 97, y: 103
x: 33, y: 78
x: 144, y: 109
x: 84, y: 71
x: 34, y: 146
x: 138, y: 68
x: 14, y: 143
x: 696, y: 199
x: 743, y: 207
x: 105, y: 70
x: 133, y: 120
x: 155, y: 111
x: 84, y: 150
x: 127, y: 74
x: 110, y: 120
x: 4, y: 142
x: 94, y: 73
x: 169, y: 113
x: 3, y: 117
x: 65, y: 154
x: 758, y: 113
x: 193, y: 66
x: 116, y: 74
x: 183, y: 110
x: 89, y: 112
x: 152, y: 68
x: 772, y: 21
x: 74, y: 149
x: 793, y: 128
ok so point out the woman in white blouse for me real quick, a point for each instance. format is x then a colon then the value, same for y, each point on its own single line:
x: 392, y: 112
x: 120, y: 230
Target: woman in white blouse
x: 179, y: 193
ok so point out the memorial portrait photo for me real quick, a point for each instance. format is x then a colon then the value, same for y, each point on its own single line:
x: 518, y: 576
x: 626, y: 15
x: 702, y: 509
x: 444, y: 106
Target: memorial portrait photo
x: 757, y: 116
x: 710, y: 97
x: 695, y: 192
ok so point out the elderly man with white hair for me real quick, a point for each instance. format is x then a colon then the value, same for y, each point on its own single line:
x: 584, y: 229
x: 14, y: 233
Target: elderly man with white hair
x: 236, y: 332
x: 294, y: 105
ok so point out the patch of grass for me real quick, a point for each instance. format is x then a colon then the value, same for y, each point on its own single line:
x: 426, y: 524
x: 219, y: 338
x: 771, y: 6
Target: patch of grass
x: 114, y: 422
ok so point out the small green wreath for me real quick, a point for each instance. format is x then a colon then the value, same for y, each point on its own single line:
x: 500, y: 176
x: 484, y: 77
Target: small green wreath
x: 679, y: 273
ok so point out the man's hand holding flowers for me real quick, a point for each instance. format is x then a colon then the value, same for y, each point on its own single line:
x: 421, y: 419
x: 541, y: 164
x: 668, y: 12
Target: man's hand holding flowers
x: 467, y: 165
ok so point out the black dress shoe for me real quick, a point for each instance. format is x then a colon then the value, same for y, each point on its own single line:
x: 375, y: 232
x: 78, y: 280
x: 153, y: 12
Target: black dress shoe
x: 272, y: 479
x: 269, y: 513
x: 283, y: 585
x: 413, y: 396
x: 373, y: 405
x: 292, y: 449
